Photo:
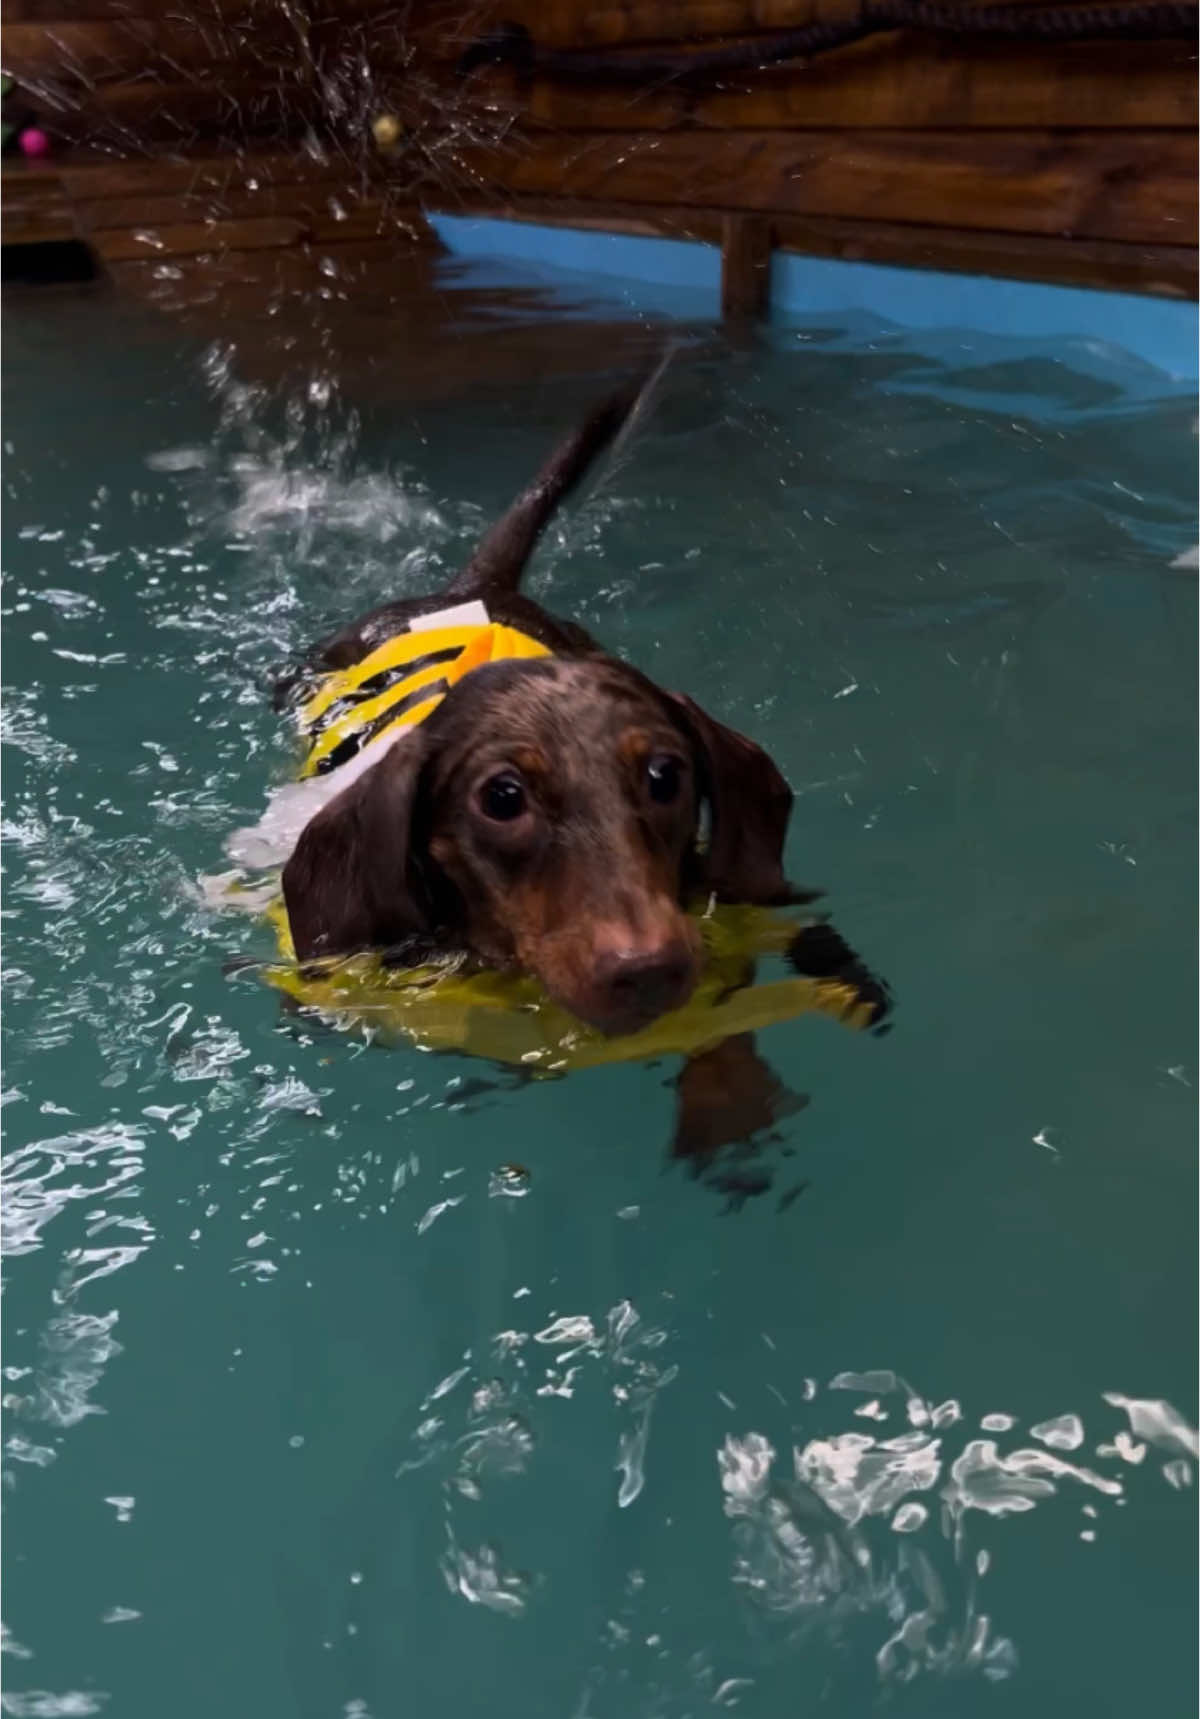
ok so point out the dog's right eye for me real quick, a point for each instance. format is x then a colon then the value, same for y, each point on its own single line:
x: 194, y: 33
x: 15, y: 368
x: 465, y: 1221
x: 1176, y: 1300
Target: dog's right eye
x: 664, y: 777
x: 502, y: 798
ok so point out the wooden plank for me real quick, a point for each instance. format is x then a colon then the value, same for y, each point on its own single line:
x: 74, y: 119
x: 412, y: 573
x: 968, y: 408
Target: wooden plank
x: 897, y: 81
x: 34, y: 208
x: 43, y: 227
x: 336, y: 219
x: 583, y: 23
x: 94, y: 177
x: 1168, y: 270
x: 1132, y: 185
x: 70, y: 58
x: 30, y: 50
x: 745, y: 267
x: 197, y: 238
x: 217, y: 105
x: 330, y: 206
x: 660, y: 220
x: 366, y: 221
x: 334, y: 210
x: 81, y: 49
x: 36, y: 223
x: 209, y: 182
x: 28, y: 180
x: 59, y: 11
x: 587, y: 24
x: 51, y: 12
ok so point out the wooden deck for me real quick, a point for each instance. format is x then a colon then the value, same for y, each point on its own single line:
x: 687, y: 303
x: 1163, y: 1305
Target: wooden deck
x: 190, y: 205
x: 191, y: 136
x: 1070, y: 162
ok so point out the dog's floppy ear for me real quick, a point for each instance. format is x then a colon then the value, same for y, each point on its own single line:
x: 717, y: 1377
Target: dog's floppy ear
x: 352, y: 881
x: 749, y: 803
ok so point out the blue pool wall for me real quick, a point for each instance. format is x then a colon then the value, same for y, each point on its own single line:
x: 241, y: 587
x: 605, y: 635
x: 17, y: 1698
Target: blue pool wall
x: 683, y: 277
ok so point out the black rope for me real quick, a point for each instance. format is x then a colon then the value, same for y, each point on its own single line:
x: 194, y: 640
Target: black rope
x: 1153, y: 20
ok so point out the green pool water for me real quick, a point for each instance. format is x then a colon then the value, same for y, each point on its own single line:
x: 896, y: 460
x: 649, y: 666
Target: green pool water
x: 315, y: 1408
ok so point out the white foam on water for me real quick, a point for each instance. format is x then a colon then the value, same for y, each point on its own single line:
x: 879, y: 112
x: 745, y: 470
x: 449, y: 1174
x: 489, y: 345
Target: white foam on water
x: 482, y: 1579
x: 855, y: 1477
x: 631, y: 1457
x: 909, y: 1518
x: 982, y: 1479
x: 576, y: 1328
x: 1063, y: 1433
x: 1157, y: 1422
x: 808, y: 1545
x: 187, y: 459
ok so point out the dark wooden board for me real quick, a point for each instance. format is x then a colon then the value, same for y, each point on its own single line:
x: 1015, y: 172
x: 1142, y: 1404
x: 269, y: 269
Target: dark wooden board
x: 200, y: 238
x: 895, y: 81
x: 1167, y: 270
x: 593, y: 24
x: 745, y: 266
x: 1133, y: 186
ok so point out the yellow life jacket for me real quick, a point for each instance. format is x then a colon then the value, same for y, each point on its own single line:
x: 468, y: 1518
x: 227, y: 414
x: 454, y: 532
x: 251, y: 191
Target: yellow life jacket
x: 508, y: 1018
x: 401, y: 683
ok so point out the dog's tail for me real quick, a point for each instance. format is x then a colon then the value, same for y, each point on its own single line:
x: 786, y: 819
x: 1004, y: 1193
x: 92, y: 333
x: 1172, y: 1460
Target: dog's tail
x: 499, y: 561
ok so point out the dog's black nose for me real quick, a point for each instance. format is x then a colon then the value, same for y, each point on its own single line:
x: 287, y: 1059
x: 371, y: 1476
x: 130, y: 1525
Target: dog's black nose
x: 640, y: 982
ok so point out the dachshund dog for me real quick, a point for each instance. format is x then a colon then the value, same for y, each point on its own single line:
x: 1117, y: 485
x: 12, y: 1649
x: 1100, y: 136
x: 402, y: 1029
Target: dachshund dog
x: 553, y: 812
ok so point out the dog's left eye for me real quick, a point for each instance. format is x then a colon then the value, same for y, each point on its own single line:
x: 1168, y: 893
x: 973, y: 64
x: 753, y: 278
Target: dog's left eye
x: 502, y: 799
x: 664, y: 775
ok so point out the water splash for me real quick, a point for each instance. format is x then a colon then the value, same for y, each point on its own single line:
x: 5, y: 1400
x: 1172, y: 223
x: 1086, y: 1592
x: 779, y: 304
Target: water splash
x: 806, y: 1548
x: 482, y: 1579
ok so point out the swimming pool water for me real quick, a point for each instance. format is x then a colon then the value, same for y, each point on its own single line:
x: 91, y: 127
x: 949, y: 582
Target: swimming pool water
x: 314, y: 1407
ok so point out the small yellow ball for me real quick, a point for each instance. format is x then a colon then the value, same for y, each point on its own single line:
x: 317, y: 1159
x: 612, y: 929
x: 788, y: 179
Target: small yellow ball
x: 386, y: 130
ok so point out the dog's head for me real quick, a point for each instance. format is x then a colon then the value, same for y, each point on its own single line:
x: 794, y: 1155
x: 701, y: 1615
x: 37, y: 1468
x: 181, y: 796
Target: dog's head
x: 547, y: 816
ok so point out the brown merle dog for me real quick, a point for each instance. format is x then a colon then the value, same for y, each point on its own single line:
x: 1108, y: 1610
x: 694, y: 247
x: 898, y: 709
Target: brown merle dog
x: 556, y: 815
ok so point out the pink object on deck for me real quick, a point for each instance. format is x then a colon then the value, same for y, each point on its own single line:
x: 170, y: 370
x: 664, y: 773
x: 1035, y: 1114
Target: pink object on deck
x: 34, y: 142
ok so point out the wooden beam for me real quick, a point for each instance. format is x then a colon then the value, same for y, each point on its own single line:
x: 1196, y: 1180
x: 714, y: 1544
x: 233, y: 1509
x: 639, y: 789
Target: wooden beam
x: 151, y: 208
x: 189, y: 239
x: 48, y: 223
x: 900, y: 81
x: 1136, y: 186
x: 1166, y: 271
x: 650, y: 221
x: 219, y: 171
x: 34, y: 207
x: 52, y: 13
x: 1170, y: 271
x: 318, y: 206
x: 586, y: 24
x: 223, y: 104
x: 745, y: 267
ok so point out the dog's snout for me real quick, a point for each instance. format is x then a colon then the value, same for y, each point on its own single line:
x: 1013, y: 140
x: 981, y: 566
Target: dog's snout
x: 635, y: 980
x: 642, y: 973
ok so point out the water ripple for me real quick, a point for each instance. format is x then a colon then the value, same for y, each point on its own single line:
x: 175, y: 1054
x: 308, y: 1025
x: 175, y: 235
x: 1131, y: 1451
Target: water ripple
x: 806, y: 1549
